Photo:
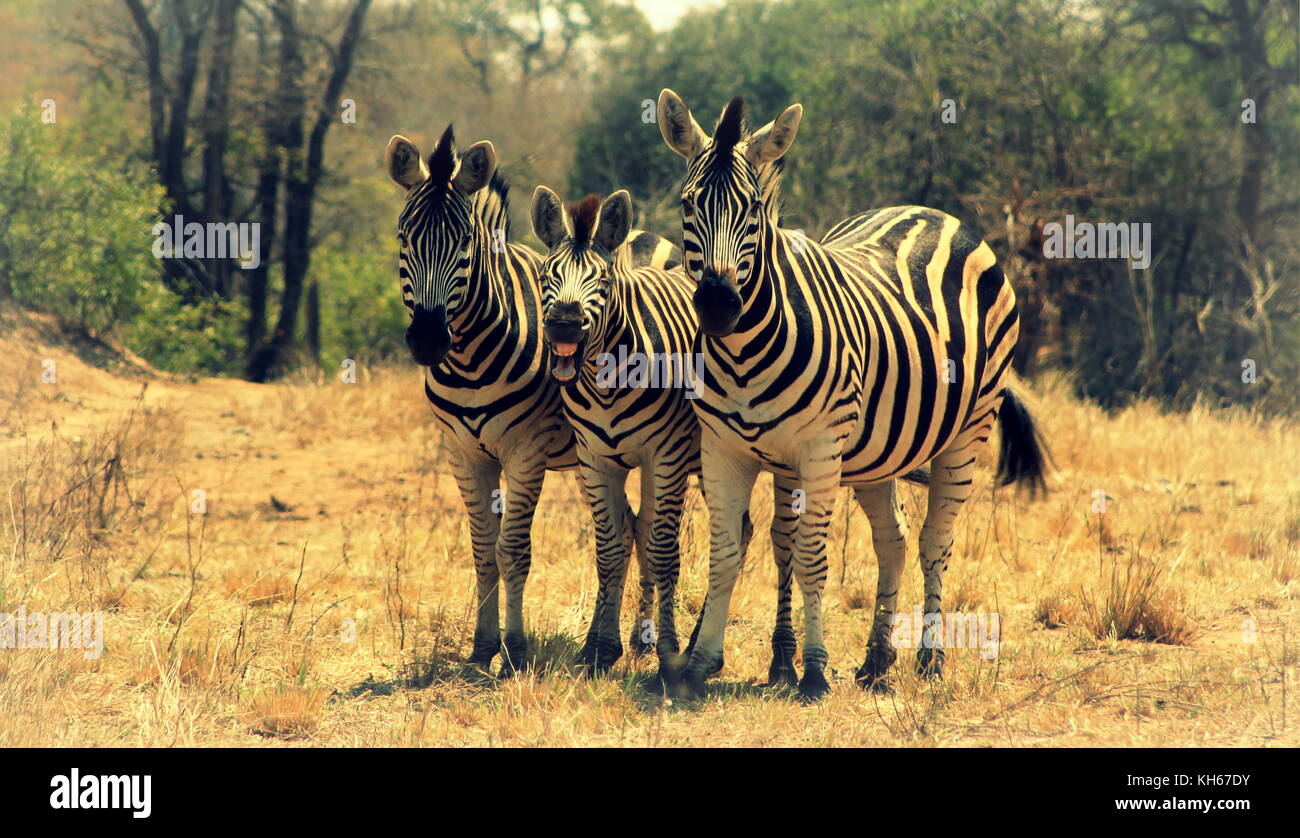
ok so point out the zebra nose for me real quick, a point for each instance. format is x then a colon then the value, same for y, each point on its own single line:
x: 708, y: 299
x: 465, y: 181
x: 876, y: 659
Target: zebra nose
x: 428, y: 337
x: 567, y: 312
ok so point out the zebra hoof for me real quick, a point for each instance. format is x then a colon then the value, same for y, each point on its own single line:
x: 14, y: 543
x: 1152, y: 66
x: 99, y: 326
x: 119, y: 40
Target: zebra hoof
x: 874, y: 681
x: 929, y: 662
x: 782, y: 673
x: 813, y: 686
x: 483, y: 661
x: 672, y: 665
x: 712, y: 669
x: 483, y: 652
x: 871, y: 676
x: 689, y: 687
x: 597, y: 658
x: 514, y: 656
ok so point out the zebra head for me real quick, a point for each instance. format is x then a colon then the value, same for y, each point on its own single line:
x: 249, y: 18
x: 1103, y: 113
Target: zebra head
x: 436, y: 234
x: 576, y: 277
x: 727, y: 197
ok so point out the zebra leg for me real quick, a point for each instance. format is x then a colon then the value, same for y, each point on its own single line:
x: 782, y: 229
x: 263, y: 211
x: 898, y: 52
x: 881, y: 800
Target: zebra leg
x: 746, y: 534
x: 610, y: 513
x: 636, y: 539
x: 784, y: 520
x: 889, y: 540
x: 819, y: 478
x: 950, y: 486
x: 524, y: 477
x: 663, y: 492
x: 477, y: 480
x: 728, y: 481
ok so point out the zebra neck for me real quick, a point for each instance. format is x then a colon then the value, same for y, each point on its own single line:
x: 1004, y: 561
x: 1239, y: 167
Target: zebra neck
x: 614, y: 327
x: 615, y: 323
x: 488, y: 298
x: 485, y: 275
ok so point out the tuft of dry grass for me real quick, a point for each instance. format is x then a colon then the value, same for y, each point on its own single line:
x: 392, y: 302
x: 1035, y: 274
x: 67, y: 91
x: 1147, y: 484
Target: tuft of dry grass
x: 1056, y: 610
x: 250, y: 585
x: 286, y: 711
x: 1131, y: 602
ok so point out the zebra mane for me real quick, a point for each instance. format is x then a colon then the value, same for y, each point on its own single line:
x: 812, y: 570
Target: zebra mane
x: 491, y: 205
x: 442, y: 160
x: 769, y: 187
x: 584, y: 215
x: 731, y: 128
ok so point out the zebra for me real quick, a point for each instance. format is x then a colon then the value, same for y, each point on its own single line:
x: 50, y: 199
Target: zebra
x: 475, y: 327
x: 601, y: 319
x: 849, y: 361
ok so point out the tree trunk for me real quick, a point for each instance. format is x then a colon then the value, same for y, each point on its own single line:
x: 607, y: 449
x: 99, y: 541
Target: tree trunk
x: 217, y: 196
x: 313, y: 321
x: 303, y: 171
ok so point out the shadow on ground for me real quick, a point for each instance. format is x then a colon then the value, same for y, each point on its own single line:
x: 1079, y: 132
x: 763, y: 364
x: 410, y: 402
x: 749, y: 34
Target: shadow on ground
x: 556, y: 654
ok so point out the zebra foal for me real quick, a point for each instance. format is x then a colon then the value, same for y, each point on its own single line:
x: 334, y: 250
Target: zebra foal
x: 620, y: 340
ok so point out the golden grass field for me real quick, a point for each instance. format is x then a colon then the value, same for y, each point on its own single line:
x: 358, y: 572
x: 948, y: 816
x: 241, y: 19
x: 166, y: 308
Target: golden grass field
x: 324, y: 597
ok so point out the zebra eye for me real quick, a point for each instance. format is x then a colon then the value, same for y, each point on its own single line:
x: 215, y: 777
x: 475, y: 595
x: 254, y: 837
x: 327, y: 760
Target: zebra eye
x: 687, y: 204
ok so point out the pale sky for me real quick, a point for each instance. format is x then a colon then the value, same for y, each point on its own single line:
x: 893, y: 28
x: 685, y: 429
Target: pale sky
x: 664, y: 13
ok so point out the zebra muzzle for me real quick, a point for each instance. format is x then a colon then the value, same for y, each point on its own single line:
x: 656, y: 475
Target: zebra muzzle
x: 428, y: 337
x: 718, y: 305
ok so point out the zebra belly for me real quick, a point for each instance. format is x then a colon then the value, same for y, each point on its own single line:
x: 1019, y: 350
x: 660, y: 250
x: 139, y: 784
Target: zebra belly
x: 875, y: 448
x: 516, y: 423
x: 777, y: 443
x: 626, y: 433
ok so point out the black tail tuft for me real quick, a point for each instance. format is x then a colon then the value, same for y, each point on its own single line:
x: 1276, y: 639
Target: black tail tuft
x: 1023, y: 456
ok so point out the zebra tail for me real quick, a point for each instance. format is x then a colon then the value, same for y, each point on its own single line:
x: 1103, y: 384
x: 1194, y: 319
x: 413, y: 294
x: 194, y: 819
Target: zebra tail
x: 1023, y: 456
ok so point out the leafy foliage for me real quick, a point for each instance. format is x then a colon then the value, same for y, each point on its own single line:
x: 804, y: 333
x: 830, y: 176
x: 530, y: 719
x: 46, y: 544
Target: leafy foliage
x: 74, y: 224
x: 1097, y: 112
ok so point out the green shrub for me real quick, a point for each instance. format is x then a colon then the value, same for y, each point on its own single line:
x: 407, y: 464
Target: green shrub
x: 74, y: 223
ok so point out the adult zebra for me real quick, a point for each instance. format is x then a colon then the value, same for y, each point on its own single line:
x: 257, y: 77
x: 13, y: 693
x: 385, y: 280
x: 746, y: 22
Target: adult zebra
x: 846, y: 362
x: 476, y: 328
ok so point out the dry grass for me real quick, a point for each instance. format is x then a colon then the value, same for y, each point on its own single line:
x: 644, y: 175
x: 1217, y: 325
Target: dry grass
x: 340, y: 613
x: 287, y: 711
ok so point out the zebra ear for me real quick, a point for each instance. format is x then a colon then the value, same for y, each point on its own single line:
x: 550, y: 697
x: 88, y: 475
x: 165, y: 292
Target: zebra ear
x: 476, y: 167
x: 773, y: 139
x: 549, y: 222
x: 615, y: 221
x: 404, y: 164
x: 680, y: 130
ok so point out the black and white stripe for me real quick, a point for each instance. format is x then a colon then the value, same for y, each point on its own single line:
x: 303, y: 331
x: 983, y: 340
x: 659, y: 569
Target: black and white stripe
x: 850, y: 361
x: 476, y: 328
x: 596, y: 308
